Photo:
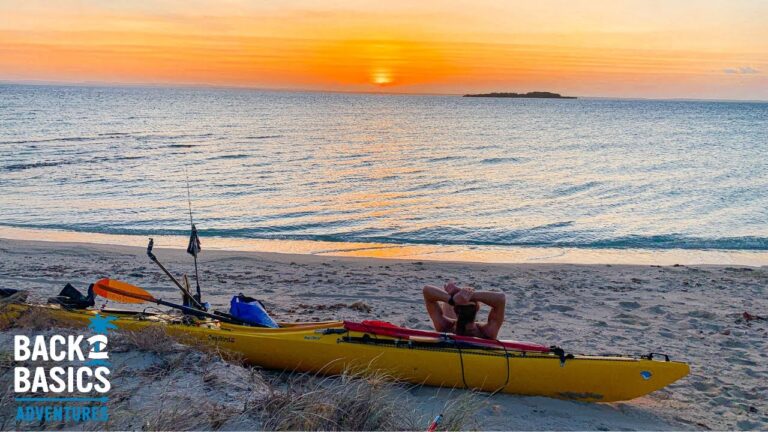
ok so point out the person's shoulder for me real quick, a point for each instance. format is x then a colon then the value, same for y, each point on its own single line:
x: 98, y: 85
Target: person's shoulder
x: 451, y: 327
x: 484, y: 331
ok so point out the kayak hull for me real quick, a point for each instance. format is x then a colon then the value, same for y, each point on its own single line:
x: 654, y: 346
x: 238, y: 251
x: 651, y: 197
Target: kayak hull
x: 328, y: 348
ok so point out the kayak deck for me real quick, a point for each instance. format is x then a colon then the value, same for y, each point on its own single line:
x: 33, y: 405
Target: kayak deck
x: 388, y: 329
x: 331, y: 348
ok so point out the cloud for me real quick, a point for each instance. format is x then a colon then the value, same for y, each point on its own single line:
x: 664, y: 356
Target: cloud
x: 744, y: 70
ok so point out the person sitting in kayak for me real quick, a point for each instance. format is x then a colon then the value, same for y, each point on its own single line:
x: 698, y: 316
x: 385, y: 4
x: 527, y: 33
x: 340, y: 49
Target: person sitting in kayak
x: 453, y: 309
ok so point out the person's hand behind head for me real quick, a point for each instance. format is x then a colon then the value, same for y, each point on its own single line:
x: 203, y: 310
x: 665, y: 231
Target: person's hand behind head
x: 464, y: 296
x: 451, y: 288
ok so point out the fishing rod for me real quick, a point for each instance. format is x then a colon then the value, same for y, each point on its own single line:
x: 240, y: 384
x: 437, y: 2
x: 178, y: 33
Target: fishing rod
x: 193, y: 249
x: 194, y: 241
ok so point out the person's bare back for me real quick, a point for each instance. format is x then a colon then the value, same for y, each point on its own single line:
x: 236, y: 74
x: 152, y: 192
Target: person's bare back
x: 453, y: 309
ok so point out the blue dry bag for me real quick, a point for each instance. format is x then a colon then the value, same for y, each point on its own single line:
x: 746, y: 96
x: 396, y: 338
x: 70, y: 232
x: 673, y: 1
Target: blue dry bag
x: 251, y: 311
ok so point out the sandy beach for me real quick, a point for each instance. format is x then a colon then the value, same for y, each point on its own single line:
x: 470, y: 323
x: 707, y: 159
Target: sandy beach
x: 692, y: 313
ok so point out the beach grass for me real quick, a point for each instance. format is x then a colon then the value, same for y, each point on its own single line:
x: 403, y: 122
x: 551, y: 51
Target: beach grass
x: 161, y: 384
x: 351, y: 401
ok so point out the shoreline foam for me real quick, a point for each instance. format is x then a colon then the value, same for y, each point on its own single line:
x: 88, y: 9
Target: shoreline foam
x: 443, y: 253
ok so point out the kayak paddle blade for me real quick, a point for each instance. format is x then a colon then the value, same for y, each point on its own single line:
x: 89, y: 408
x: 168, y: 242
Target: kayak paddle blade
x: 121, y: 292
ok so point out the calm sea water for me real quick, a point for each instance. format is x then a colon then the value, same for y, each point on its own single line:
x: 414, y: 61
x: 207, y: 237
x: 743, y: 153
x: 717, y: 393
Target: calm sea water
x: 392, y: 169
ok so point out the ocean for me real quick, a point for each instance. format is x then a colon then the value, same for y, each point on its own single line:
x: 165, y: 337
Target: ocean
x: 386, y: 169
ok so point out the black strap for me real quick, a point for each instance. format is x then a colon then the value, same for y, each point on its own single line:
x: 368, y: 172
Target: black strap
x: 461, y: 360
x: 556, y: 350
x: 506, y: 357
x: 650, y: 356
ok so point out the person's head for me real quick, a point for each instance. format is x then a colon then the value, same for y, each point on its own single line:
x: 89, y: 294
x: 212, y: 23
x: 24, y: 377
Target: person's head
x: 465, y: 316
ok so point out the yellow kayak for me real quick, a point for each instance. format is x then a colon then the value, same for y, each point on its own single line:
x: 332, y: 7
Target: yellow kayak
x: 330, y: 348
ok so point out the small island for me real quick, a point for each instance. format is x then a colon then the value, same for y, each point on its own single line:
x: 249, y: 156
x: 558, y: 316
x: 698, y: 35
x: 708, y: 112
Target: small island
x: 534, y: 95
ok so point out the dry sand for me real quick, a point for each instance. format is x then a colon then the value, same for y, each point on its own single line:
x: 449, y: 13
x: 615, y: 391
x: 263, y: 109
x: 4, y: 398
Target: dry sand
x: 692, y: 313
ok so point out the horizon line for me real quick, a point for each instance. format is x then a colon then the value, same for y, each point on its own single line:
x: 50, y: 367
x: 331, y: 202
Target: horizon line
x: 108, y: 84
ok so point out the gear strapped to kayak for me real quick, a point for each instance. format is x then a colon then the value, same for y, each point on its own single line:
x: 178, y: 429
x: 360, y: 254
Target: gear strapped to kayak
x: 71, y: 298
x: 250, y: 310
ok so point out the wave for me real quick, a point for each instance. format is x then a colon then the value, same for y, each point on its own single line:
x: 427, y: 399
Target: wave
x: 21, y: 167
x: 231, y: 156
x: 499, y: 160
x: 44, y: 164
x: 445, y: 158
x: 111, y: 134
x: 260, y: 137
x: 45, y: 140
x: 577, y: 188
x: 108, y: 135
x: 549, y: 235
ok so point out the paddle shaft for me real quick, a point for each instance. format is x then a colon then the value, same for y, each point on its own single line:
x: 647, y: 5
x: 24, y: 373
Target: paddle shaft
x: 192, y: 311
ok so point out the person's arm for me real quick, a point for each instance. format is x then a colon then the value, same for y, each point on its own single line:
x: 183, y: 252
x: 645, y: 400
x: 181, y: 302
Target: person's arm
x: 497, y: 301
x: 451, y: 288
x: 433, y: 295
x: 492, y: 299
x: 448, y: 312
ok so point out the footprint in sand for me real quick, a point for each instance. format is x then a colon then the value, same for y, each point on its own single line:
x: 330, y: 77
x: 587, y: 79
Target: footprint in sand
x: 369, y: 290
x: 741, y: 359
x: 751, y: 372
x: 722, y: 401
x: 702, y: 314
x: 703, y: 386
x: 559, y: 308
x: 658, y: 309
x: 748, y: 425
x: 630, y: 319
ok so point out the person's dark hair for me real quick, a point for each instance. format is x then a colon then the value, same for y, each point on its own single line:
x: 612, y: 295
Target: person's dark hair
x: 465, y: 314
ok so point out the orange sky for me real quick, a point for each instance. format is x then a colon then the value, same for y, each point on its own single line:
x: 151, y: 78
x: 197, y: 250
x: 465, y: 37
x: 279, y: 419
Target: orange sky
x: 624, y: 48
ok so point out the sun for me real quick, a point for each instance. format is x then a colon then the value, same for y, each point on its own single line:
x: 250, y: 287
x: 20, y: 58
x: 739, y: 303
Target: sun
x: 381, y: 77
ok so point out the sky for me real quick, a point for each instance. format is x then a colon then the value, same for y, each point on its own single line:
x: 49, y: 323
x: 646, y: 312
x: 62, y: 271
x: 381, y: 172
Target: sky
x: 708, y: 49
